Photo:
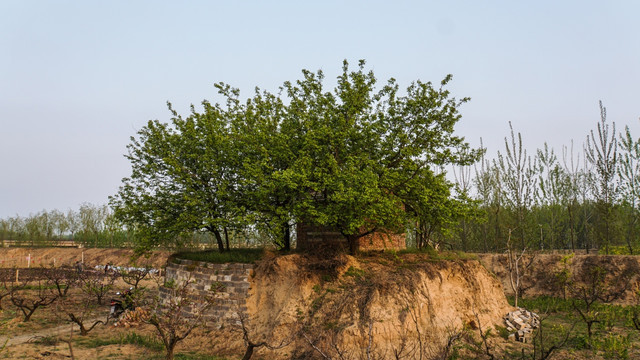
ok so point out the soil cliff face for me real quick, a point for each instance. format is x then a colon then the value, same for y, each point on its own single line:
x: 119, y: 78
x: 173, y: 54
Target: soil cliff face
x: 378, y: 306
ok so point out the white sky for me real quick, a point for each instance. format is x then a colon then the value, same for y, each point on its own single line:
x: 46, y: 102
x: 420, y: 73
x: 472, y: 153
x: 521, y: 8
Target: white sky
x: 78, y: 78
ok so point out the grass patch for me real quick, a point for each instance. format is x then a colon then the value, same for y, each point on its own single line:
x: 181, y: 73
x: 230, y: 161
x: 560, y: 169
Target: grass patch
x: 46, y: 340
x: 409, y: 257
x: 130, y: 338
x: 246, y: 256
x: 543, y: 304
x: 614, y: 336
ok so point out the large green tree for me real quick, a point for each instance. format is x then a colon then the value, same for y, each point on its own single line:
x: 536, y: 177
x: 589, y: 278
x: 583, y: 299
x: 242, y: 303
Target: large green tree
x: 356, y: 158
x: 375, y: 153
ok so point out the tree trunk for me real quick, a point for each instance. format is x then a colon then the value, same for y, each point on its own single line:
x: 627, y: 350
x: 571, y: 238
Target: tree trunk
x: 463, y: 235
x: 607, y: 222
x: 572, y: 229
x: 586, y: 236
x: 286, y: 241
x: 249, y: 353
x: 170, y: 349
x: 354, y: 245
x: 27, y: 314
x: 522, y: 229
x: 226, y: 237
x: 216, y: 232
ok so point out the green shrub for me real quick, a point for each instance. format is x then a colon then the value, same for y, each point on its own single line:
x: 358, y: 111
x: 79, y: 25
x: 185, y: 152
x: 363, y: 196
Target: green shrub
x: 245, y: 256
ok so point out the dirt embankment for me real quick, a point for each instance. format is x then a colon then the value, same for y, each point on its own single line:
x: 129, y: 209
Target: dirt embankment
x: 376, y: 306
x: 19, y: 257
x: 553, y: 274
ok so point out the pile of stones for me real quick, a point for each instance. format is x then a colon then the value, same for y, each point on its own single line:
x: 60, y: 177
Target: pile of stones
x: 521, y: 323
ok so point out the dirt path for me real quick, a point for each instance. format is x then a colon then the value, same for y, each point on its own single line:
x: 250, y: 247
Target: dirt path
x: 60, y: 331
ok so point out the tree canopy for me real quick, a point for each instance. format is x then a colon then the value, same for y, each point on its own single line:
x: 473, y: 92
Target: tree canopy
x: 355, y: 158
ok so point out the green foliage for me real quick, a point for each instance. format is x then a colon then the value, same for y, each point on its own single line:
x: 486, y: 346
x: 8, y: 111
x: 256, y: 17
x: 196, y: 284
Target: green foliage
x: 502, y: 332
x: 563, y: 276
x: 620, y: 250
x: 146, y: 341
x: 614, y: 346
x: 181, y: 180
x: 355, y: 272
x: 245, y: 256
x: 91, y: 225
x: 544, y: 304
x: 356, y: 158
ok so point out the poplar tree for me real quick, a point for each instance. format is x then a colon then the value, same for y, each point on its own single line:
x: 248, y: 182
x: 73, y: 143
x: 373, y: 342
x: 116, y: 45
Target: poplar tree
x: 629, y: 175
x: 602, y: 152
x: 518, y: 181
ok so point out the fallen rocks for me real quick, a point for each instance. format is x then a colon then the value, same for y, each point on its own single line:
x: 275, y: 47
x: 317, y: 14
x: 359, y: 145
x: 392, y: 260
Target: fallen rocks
x: 521, y: 323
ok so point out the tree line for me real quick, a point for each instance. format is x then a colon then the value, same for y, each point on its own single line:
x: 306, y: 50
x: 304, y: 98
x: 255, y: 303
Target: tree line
x: 584, y: 198
x: 91, y: 225
x: 94, y: 225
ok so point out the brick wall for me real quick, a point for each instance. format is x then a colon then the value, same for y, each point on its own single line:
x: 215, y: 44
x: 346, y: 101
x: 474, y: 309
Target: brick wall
x: 310, y: 236
x: 383, y: 241
x: 234, y: 279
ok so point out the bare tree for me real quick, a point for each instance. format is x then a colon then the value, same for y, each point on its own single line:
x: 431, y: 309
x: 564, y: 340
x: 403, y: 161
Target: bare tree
x: 540, y: 350
x: 135, y: 275
x: 5, y: 290
x: 518, y: 180
x: 62, y: 279
x: 251, y: 345
x: 97, y: 285
x: 81, y: 309
x: 518, y: 265
x: 28, y: 303
x: 591, y: 285
x: 176, y: 318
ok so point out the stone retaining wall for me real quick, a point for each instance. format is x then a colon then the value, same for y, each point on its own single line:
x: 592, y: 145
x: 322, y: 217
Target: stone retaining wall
x: 233, y: 280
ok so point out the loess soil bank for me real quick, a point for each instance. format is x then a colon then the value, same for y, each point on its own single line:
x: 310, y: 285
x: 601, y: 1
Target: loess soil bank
x: 376, y: 306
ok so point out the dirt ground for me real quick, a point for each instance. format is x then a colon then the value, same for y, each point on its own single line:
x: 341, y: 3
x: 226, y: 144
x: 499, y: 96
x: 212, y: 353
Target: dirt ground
x: 354, y: 291
x: 368, y: 297
x: 19, y: 257
x: 41, y: 337
x: 47, y: 335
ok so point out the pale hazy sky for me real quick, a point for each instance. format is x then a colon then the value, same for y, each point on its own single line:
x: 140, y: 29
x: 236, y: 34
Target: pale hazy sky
x: 78, y: 78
